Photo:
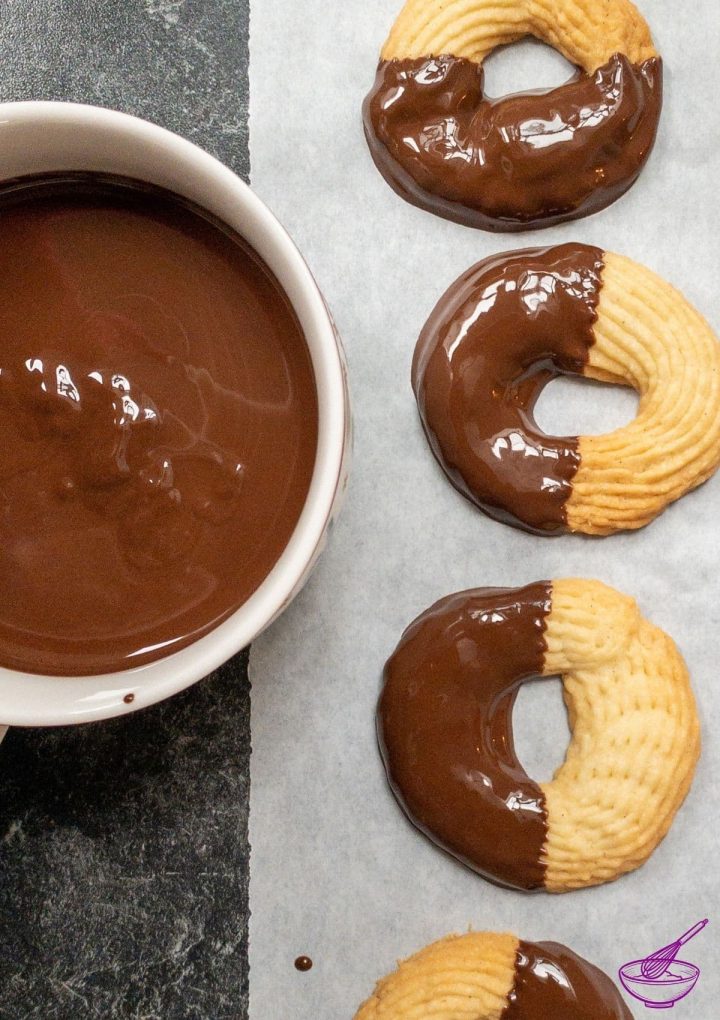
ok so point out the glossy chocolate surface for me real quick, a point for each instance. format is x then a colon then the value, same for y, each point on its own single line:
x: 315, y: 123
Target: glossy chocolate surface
x: 553, y: 983
x: 518, y: 162
x: 500, y: 333
x: 159, y: 423
x: 445, y: 729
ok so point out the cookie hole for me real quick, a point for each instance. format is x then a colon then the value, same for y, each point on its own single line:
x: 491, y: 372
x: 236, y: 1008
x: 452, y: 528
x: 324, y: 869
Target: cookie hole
x: 541, y: 728
x: 581, y: 407
x: 525, y: 66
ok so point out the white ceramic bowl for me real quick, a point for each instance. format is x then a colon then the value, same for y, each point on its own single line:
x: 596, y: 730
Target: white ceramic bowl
x: 44, y: 137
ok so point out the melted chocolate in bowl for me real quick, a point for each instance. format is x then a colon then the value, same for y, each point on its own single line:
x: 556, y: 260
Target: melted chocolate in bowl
x: 159, y: 422
x: 522, y: 161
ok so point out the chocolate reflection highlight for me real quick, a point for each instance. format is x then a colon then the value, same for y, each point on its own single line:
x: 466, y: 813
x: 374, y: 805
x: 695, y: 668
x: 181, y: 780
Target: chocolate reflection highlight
x: 445, y: 729
x: 521, y: 161
x: 551, y: 981
x: 495, y: 339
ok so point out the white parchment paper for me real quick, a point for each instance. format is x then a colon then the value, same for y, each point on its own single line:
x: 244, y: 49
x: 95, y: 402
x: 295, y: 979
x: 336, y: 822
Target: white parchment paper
x: 337, y: 873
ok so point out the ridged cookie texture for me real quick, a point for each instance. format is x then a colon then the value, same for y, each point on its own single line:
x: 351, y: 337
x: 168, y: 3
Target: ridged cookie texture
x: 586, y: 32
x: 487, y: 976
x: 466, y: 977
x: 635, y: 736
x: 445, y: 732
x: 649, y: 337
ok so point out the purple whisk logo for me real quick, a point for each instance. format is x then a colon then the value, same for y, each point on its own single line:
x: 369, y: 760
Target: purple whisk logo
x: 660, y: 979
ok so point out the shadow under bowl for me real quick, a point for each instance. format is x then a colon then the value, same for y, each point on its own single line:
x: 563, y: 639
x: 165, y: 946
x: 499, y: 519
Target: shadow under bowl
x: 662, y: 992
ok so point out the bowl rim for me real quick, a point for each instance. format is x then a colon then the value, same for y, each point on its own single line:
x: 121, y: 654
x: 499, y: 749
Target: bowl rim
x: 28, y: 699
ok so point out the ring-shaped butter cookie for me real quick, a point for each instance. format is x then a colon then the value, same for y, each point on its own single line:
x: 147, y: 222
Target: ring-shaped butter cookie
x: 525, y: 160
x: 445, y: 732
x: 516, y: 320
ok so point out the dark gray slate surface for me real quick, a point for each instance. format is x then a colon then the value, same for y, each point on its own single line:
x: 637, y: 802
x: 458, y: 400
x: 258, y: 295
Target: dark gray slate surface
x: 123, y: 845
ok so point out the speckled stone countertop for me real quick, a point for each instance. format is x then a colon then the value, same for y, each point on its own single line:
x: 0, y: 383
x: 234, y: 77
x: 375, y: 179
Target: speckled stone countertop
x: 123, y: 845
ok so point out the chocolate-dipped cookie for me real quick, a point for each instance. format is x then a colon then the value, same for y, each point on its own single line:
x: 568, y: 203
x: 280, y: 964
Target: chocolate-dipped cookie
x: 525, y: 160
x: 445, y: 731
x: 489, y: 976
x: 515, y: 321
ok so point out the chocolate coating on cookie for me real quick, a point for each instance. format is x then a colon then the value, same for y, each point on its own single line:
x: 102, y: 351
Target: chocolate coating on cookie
x: 522, y: 161
x: 496, y: 338
x: 445, y: 729
x: 552, y: 981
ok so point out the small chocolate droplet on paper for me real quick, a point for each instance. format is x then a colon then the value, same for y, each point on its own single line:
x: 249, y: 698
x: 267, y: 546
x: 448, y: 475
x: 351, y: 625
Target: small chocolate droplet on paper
x: 303, y: 963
